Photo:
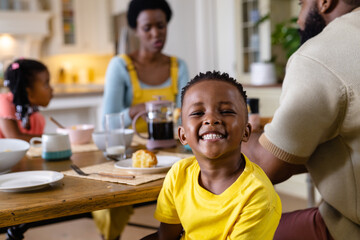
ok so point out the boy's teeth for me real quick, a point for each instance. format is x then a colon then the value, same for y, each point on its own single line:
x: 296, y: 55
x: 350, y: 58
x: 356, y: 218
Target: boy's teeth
x: 212, y: 136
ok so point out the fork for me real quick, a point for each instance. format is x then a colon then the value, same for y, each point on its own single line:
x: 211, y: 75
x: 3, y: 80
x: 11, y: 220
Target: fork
x: 81, y: 172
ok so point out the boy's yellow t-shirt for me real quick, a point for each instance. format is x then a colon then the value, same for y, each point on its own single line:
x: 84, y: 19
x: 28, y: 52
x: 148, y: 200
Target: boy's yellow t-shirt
x: 249, y: 209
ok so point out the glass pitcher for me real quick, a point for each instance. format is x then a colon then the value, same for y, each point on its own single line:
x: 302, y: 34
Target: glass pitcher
x: 159, y: 119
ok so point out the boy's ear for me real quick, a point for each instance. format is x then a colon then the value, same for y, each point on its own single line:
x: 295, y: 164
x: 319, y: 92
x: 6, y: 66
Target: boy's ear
x: 247, y: 132
x: 182, y: 135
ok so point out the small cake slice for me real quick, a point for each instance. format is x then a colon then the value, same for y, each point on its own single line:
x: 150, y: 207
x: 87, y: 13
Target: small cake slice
x: 143, y: 159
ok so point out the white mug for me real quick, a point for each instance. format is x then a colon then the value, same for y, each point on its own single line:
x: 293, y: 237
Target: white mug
x: 55, y: 146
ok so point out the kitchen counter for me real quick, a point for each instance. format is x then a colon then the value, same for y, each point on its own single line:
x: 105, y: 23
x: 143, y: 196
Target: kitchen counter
x: 73, y: 90
x: 269, y: 97
x: 75, y: 104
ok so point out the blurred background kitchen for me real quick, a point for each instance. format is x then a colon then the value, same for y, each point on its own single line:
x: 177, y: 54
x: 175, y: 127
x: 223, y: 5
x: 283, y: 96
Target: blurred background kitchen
x: 77, y: 38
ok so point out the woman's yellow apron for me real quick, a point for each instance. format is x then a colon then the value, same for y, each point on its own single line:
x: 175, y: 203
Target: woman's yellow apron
x: 141, y: 95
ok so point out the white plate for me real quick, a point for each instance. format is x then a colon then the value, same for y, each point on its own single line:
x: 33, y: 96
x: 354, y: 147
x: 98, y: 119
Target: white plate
x: 164, y: 164
x: 28, y: 181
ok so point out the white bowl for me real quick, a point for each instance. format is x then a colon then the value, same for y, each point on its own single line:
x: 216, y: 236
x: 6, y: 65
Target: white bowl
x: 78, y: 134
x: 100, y: 139
x: 11, y: 152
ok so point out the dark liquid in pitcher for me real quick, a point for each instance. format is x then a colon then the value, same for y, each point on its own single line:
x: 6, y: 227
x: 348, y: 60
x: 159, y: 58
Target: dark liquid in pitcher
x: 161, y: 131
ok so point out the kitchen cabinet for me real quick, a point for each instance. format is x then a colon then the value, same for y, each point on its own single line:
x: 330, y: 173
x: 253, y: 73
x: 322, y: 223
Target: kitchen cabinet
x: 22, y: 33
x: 80, y: 27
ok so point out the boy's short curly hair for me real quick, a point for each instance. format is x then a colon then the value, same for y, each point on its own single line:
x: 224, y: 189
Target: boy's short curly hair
x: 214, y: 75
x: 136, y: 6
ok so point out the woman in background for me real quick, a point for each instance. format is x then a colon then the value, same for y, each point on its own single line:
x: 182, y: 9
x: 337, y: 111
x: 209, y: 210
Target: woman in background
x: 29, y: 84
x: 135, y: 78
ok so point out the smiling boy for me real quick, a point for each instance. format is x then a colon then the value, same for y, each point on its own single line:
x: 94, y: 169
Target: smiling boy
x: 218, y: 193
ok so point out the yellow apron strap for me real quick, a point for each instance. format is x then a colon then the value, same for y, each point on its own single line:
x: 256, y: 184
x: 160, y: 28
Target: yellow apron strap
x: 133, y: 76
x: 174, y: 74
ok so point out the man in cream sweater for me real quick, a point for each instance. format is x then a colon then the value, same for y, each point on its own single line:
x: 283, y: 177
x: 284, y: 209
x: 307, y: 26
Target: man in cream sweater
x: 316, y: 129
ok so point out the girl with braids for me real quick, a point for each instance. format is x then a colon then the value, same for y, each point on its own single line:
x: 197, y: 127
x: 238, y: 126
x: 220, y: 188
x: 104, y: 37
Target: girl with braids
x: 29, y: 84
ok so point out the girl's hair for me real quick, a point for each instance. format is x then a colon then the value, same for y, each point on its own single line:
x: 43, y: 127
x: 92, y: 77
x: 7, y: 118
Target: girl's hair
x: 20, y: 75
x: 137, y: 6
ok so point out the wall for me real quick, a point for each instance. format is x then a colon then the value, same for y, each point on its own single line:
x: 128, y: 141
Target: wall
x: 225, y: 37
x: 202, y: 32
x: 182, y: 33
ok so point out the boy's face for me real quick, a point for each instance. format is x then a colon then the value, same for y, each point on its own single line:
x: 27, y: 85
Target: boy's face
x: 214, y: 119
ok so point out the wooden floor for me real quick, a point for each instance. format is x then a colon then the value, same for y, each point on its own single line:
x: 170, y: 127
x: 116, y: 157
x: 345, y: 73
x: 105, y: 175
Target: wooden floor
x: 84, y: 229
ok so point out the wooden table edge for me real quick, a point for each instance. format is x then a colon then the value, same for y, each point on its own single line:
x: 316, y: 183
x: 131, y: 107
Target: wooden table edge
x: 146, y: 193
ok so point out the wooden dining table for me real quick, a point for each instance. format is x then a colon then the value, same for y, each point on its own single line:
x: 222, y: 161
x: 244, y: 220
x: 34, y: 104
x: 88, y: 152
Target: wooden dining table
x: 72, y: 195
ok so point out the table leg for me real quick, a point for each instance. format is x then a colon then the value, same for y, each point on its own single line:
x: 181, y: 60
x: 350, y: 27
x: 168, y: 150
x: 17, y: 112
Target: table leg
x: 17, y: 232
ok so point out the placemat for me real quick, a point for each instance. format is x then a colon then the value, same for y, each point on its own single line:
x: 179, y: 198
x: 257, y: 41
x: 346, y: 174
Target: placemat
x: 36, y: 151
x: 109, y: 167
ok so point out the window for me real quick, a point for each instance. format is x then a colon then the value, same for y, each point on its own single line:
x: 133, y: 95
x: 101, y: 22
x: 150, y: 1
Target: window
x: 250, y: 33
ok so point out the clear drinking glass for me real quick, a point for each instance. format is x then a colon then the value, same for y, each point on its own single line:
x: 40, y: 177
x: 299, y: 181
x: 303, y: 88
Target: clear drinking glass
x: 114, y: 135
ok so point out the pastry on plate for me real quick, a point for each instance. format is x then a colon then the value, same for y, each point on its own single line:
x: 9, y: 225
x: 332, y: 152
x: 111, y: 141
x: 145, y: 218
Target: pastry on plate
x: 143, y: 159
